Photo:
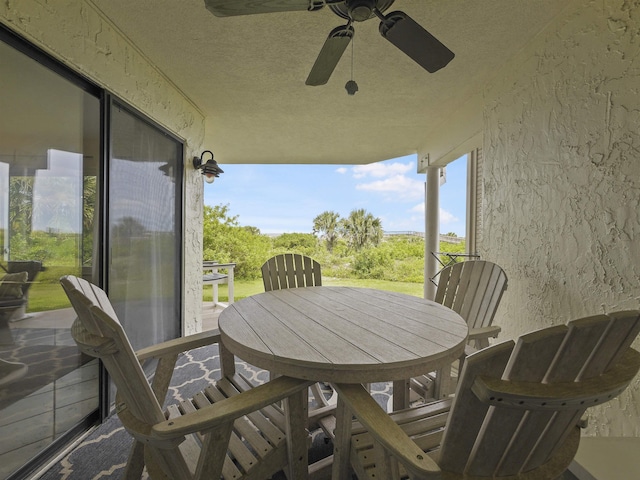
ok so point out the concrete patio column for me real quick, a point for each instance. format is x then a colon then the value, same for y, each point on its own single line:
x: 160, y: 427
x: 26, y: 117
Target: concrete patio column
x: 473, y: 201
x: 431, y: 229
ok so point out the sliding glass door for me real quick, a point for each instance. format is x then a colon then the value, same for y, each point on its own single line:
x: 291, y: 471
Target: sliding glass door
x: 91, y: 188
x: 144, y: 228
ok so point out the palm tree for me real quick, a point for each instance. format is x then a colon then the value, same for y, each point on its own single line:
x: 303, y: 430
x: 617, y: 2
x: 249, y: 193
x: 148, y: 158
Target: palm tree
x: 361, y: 229
x: 326, y: 224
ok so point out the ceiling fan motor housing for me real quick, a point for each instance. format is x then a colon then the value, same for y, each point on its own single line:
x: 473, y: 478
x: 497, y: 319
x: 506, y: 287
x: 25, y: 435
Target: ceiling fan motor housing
x: 359, y: 10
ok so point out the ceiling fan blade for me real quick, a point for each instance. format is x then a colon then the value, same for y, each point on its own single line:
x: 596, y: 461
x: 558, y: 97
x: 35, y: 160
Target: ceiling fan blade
x: 228, y: 8
x: 410, y: 37
x: 332, y: 50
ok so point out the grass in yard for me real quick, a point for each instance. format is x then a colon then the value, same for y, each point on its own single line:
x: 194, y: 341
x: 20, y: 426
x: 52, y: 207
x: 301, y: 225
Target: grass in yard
x: 246, y: 288
x: 50, y: 296
x: 47, y: 296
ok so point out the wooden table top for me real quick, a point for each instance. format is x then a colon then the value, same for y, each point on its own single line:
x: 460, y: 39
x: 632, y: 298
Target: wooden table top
x: 343, y: 334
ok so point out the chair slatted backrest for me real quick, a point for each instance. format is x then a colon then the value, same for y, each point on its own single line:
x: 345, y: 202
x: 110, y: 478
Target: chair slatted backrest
x: 472, y: 289
x: 98, y: 333
x: 569, y: 367
x: 290, y: 270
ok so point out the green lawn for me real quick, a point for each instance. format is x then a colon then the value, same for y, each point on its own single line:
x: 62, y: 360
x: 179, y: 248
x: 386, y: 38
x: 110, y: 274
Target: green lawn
x: 50, y: 296
x: 246, y: 288
x: 47, y: 296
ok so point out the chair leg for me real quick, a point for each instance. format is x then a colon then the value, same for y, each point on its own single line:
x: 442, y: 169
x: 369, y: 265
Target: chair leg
x: 214, y: 450
x: 135, y: 463
x: 386, y: 465
x: 215, y: 294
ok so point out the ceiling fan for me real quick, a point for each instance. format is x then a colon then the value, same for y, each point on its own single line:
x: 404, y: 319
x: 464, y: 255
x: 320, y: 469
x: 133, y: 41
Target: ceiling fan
x: 397, y: 27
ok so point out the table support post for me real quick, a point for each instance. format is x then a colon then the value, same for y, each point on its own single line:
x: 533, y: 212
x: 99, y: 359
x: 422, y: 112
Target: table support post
x: 443, y: 383
x: 401, y: 394
x: 342, y: 441
x: 296, y: 429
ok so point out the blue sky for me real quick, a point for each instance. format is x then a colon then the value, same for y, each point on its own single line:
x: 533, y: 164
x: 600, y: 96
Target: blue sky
x: 286, y: 198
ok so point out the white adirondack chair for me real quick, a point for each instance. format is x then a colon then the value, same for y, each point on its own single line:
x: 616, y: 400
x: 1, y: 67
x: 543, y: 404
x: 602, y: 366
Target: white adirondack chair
x: 229, y: 430
x: 290, y: 270
x: 516, y: 413
x: 473, y: 289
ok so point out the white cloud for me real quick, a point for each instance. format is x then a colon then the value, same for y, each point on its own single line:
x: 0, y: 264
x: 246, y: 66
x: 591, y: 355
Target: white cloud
x: 419, y: 208
x: 398, y: 186
x: 379, y: 170
x: 445, y: 216
x: 342, y: 170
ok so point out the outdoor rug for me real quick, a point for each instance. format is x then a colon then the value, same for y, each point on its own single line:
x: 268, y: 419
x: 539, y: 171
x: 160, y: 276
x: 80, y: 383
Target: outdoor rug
x: 49, y: 355
x: 103, y: 454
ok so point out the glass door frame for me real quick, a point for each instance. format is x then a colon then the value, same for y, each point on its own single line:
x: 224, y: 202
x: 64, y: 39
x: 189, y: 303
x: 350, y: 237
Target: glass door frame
x: 106, y: 101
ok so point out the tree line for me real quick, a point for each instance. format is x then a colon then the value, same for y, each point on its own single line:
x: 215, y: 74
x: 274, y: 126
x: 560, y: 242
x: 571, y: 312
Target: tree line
x: 351, y: 247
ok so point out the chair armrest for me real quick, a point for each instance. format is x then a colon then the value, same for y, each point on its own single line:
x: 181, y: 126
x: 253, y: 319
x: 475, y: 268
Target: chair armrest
x: 179, y: 345
x: 167, y: 355
x: 484, y: 332
x: 387, y: 432
x: 569, y: 395
x: 231, y: 408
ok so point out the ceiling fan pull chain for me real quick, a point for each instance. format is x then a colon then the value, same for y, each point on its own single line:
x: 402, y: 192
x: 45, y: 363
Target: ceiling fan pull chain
x: 353, y: 41
x: 351, y: 86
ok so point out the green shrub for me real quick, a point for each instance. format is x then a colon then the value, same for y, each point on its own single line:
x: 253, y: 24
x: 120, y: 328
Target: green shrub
x: 304, y: 243
x: 407, y: 270
x: 372, y: 262
x: 225, y: 241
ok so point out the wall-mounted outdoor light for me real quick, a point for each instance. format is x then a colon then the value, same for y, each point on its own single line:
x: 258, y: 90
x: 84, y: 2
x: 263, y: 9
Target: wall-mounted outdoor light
x: 210, y: 169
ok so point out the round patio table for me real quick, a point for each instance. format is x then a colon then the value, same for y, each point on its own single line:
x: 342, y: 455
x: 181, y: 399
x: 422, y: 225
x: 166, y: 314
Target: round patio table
x: 343, y: 334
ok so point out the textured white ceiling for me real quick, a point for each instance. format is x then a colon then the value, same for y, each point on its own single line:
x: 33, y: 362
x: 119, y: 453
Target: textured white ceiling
x: 247, y: 74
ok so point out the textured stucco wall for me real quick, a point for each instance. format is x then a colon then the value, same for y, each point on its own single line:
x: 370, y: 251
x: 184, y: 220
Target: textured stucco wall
x: 562, y: 179
x: 74, y: 32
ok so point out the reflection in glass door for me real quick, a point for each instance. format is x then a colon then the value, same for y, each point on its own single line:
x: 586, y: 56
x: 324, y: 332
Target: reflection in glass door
x: 49, y: 162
